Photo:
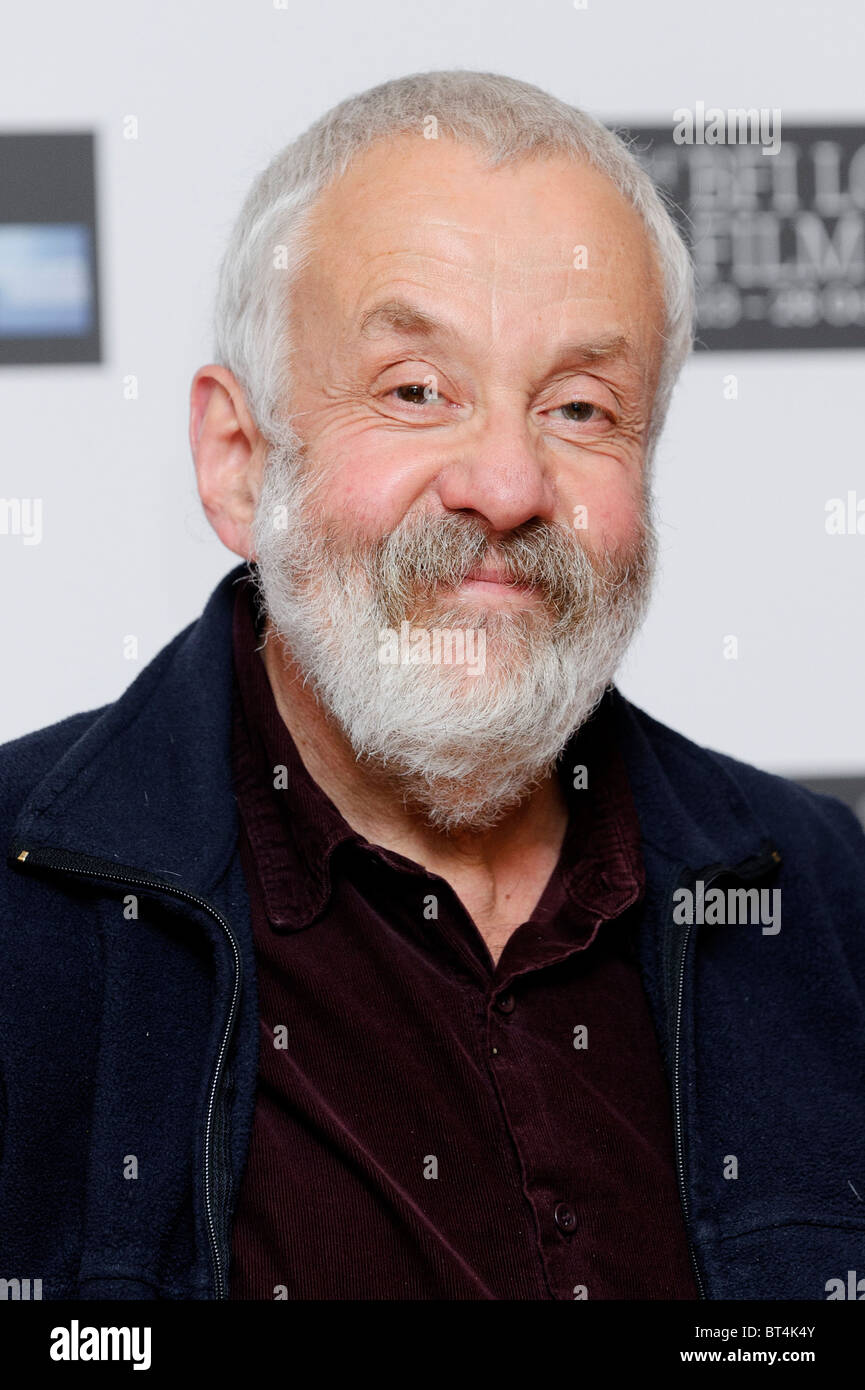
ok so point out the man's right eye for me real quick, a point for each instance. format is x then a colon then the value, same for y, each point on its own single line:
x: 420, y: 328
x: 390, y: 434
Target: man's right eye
x: 416, y: 393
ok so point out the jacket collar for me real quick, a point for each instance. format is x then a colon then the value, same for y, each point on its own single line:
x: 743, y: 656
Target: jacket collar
x: 149, y: 783
x: 114, y: 794
x: 691, y: 801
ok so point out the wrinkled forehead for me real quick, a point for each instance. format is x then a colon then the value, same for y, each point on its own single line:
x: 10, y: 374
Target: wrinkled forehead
x: 547, y: 227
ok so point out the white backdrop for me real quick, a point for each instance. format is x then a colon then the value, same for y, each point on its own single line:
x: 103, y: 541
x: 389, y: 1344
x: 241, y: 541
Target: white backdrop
x: 217, y: 87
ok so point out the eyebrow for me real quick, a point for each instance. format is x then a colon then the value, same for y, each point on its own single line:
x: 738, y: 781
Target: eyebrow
x: 398, y: 316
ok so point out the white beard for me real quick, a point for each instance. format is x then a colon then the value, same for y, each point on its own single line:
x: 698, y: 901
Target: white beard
x: 464, y: 749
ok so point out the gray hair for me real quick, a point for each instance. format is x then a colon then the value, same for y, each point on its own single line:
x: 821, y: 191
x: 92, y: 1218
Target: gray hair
x: 502, y: 117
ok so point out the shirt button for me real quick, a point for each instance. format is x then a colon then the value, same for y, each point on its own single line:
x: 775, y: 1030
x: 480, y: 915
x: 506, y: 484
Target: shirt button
x: 505, y: 1003
x: 566, y: 1217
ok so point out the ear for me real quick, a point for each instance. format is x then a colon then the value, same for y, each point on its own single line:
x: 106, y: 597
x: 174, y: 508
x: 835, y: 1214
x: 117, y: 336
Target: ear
x: 229, y: 453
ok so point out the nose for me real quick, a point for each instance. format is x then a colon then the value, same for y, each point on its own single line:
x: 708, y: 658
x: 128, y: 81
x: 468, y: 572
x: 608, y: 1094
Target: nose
x: 498, y: 475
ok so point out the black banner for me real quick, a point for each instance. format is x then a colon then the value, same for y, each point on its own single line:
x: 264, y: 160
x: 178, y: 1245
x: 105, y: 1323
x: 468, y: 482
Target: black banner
x: 777, y: 227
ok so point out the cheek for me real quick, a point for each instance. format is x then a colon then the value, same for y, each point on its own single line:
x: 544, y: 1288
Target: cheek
x: 612, y: 515
x: 370, y: 480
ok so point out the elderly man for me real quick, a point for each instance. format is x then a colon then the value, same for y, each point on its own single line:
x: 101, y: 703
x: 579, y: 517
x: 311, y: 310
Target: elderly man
x: 372, y: 945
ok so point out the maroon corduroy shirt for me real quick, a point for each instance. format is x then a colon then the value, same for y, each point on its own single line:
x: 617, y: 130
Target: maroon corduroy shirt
x: 429, y: 1125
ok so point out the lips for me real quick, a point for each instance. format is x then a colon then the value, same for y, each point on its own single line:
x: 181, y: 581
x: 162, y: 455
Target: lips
x: 492, y: 578
x: 488, y: 574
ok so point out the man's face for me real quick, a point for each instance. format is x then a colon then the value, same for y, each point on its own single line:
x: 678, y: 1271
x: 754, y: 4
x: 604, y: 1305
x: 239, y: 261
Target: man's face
x: 526, y: 423
x: 475, y: 359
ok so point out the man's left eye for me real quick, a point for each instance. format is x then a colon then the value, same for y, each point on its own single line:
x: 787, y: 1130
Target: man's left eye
x: 581, y: 411
x: 418, y: 393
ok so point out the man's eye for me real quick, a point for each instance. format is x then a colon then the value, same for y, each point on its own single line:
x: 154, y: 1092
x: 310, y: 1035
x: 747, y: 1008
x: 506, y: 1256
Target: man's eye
x: 416, y: 393
x: 579, y: 412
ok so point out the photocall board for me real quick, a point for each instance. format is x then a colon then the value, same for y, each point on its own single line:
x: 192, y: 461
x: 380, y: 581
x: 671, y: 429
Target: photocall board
x: 776, y: 225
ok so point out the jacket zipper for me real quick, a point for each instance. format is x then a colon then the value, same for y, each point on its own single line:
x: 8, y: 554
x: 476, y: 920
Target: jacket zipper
x: 680, y: 1148
x: 755, y: 869
x: 42, y: 858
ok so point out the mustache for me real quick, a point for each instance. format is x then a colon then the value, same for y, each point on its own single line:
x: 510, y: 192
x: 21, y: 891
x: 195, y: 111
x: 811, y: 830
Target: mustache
x: 422, y: 553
